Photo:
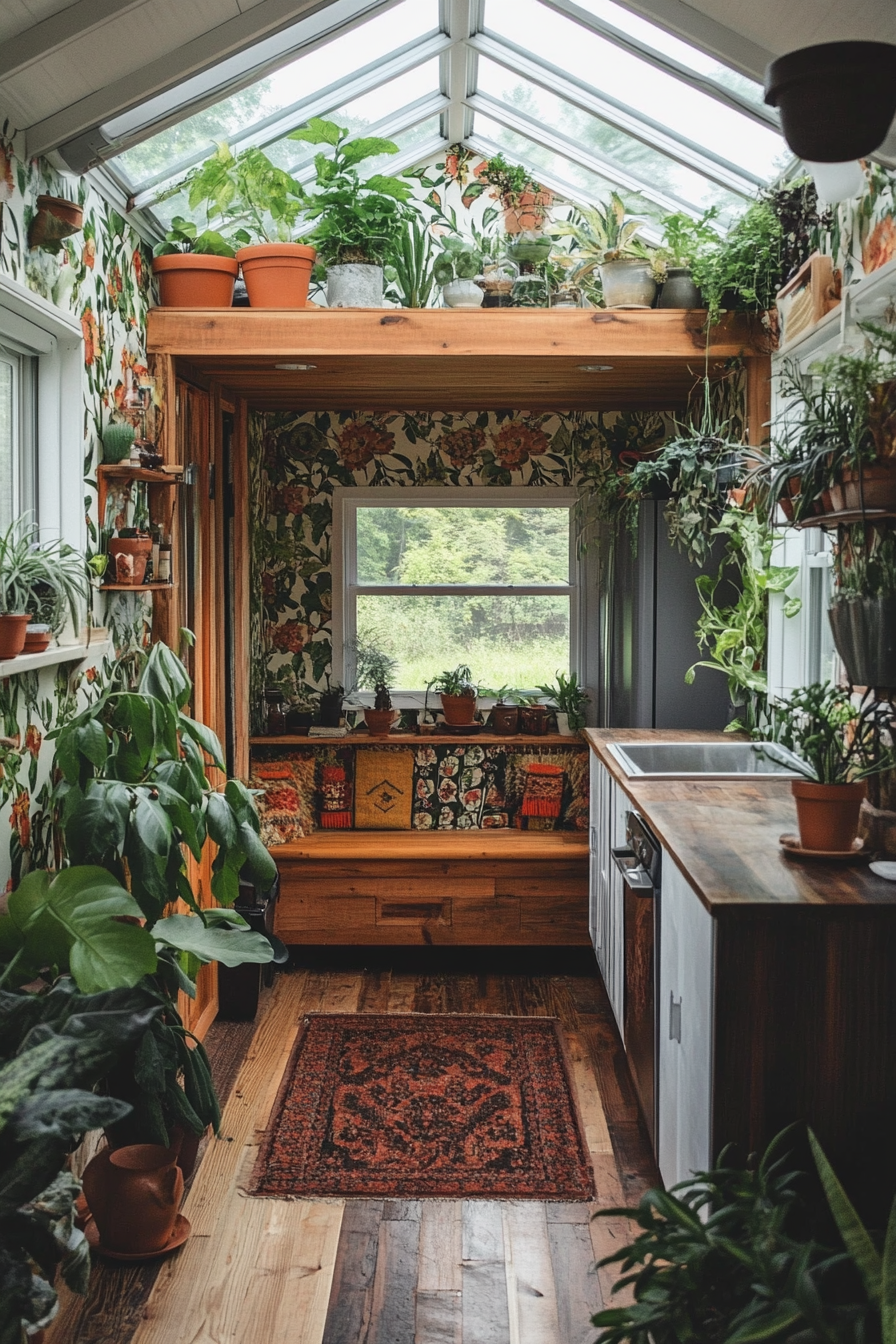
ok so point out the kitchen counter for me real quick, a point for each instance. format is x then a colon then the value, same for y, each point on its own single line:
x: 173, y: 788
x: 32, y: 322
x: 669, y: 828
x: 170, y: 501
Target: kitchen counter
x: 723, y: 835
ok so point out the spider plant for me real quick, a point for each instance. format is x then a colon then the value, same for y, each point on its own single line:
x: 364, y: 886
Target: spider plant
x: 46, y: 577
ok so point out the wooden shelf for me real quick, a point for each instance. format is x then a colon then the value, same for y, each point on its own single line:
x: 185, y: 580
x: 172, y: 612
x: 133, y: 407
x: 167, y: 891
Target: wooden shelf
x: 844, y: 517
x: 121, y: 472
x: 420, y: 739
x: 505, y: 845
x: 136, y: 587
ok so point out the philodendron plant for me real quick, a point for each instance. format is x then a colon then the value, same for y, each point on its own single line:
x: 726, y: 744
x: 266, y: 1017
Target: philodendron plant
x: 247, y: 196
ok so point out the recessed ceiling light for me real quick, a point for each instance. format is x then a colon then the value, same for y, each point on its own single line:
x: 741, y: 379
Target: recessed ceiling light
x: 296, y: 368
x: 595, y: 368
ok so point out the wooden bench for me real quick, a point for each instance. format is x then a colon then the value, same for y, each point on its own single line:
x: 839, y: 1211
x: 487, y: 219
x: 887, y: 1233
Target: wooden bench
x: 505, y: 888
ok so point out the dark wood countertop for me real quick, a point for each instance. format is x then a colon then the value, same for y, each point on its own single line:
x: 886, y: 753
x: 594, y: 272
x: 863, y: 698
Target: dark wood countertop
x: 723, y: 835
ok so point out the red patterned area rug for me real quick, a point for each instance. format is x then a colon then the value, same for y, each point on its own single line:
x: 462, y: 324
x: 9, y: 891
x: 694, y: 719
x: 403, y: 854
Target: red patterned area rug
x: 409, y: 1106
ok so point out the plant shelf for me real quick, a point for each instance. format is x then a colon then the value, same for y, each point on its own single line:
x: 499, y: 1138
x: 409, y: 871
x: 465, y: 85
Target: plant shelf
x: 120, y: 472
x: 844, y: 517
x: 364, y: 739
x: 136, y: 587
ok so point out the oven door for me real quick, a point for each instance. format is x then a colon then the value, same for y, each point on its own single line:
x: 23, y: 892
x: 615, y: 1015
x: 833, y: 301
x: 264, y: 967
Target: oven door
x: 640, y: 901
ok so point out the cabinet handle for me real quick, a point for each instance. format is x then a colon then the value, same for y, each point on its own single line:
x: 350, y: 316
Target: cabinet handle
x: 674, y: 1019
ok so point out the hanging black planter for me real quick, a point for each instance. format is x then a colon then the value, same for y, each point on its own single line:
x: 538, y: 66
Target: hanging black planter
x: 836, y: 100
x: 864, y: 630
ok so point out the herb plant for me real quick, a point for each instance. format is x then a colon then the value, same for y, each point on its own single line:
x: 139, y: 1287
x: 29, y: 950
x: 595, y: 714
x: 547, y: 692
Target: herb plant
x: 829, y: 739
x: 357, y: 221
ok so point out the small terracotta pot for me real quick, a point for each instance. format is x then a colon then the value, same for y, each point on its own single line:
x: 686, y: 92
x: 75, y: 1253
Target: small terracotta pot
x: 380, y: 721
x: 828, y: 814
x: 277, y: 275
x: 134, y: 1195
x: 191, y: 280
x: 505, y: 719
x: 12, y: 635
x: 458, y: 709
x: 37, y: 639
x: 129, y: 556
x: 534, y: 720
x: 526, y: 212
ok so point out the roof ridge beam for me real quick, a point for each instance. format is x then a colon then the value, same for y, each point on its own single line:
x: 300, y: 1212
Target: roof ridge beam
x: 460, y: 20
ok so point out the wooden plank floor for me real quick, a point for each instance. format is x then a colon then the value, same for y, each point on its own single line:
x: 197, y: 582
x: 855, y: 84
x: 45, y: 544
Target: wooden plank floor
x: 333, y: 1271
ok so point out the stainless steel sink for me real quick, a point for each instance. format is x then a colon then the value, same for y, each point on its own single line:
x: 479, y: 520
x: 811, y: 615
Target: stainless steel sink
x: 704, y: 760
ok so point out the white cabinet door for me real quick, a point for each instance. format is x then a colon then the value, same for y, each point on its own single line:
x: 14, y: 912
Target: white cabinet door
x: 687, y: 977
x: 599, y: 847
x: 619, y: 807
x: 607, y: 828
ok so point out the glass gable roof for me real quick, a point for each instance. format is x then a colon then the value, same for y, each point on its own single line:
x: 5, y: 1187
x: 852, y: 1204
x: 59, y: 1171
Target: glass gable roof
x: 585, y: 93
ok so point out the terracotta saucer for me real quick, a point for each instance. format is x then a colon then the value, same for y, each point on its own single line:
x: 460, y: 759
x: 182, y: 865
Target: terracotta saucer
x: 182, y: 1230
x: 794, y: 850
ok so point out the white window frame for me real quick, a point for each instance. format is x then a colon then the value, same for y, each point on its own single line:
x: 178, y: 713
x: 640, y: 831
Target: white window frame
x: 23, y: 461
x: 54, y: 340
x: 346, y: 502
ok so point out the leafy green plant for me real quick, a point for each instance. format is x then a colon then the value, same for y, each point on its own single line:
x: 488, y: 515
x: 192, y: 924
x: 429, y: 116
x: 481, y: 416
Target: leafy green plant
x: 728, y: 1257
x: 256, y: 201
x: 736, y: 631
x: 569, y: 697
x: 686, y: 238
x: 865, y: 561
x: 374, y: 668
x: 55, y: 1047
x: 31, y: 571
x: 743, y: 269
x: 600, y: 234
x: 411, y: 273
x: 184, y: 236
x: 510, y: 180
x: 829, y: 739
x: 457, y: 682
x: 357, y: 221
x: 459, y: 260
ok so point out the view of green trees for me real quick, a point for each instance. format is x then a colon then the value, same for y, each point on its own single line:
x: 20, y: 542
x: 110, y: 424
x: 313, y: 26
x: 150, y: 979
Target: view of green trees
x: 507, y: 639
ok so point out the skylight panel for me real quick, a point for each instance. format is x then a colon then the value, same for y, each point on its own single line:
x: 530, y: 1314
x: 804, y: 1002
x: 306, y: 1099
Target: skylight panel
x: 598, y: 137
x: 636, y: 84
x: 175, y: 147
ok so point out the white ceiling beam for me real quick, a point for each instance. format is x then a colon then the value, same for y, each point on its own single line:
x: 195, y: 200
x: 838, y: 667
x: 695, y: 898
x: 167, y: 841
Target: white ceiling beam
x: 558, y: 143
x: 581, y: 95
x: 227, y: 39
x: 459, y: 21
x: 43, y: 38
x: 685, y: 20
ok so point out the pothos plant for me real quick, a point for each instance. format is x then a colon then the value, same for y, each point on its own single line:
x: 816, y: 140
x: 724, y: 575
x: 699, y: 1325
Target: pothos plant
x: 358, y: 220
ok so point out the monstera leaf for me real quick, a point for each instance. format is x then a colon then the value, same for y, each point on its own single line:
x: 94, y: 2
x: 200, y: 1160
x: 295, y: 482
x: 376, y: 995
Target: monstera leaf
x: 74, y: 922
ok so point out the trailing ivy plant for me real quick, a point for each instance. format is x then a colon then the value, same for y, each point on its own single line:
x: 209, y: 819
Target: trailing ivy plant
x: 742, y: 270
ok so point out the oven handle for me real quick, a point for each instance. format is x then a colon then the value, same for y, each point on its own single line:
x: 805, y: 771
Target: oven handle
x: 634, y: 874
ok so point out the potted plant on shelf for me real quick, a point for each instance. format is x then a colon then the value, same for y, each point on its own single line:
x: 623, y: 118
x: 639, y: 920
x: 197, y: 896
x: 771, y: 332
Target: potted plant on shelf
x: 330, y: 704
x: 685, y: 239
x: 742, y: 270
x: 525, y: 202
x: 359, y: 224
x: 504, y: 716
x: 39, y: 581
x: 259, y: 205
x: 117, y: 438
x: 835, y: 746
x: 570, y: 700
x: 607, y: 241
x: 194, y: 270
x: 457, y: 691
x: 374, y: 670
x: 410, y: 275
x: 454, y: 270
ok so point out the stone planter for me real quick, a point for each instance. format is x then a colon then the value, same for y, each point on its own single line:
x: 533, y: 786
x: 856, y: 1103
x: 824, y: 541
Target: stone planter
x: 355, y: 285
x: 462, y: 294
x: 679, y: 290
x: 628, y: 283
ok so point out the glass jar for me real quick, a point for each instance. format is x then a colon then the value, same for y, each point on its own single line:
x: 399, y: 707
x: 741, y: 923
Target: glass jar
x: 275, y: 721
x: 498, y: 275
x: 530, y: 290
x: 567, y: 296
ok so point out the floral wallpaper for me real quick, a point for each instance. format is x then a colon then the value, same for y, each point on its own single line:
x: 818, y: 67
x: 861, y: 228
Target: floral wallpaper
x: 101, y: 275
x: 297, y: 458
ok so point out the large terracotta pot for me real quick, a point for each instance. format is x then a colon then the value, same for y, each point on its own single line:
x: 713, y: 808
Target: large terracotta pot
x: 192, y: 280
x: 129, y: 556
x: 828, y: 814
x: 134, y: 1195
x: 12, y: 635
x: 277, y: 275
x: 379, y: 721
x: 873, y: 488
x: 458, y: 709
x: 526, y: 212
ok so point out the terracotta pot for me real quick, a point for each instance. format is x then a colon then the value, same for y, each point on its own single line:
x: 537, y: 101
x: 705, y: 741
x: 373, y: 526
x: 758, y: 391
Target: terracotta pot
x: 828, y: 814
x: 37, y: 638
x: 12, y: 635
x: 458, y: 709
x: 534, y: 720
x: 190, y: 280
x: 380, y: 721
x: 129, y: 556
x: 186, y: 1144
x: 54, y: 220
x: 277, y: 275
x: 505, y: 719
x: 873, y: 488
x: 526, y: 212
x: 134, y: 1195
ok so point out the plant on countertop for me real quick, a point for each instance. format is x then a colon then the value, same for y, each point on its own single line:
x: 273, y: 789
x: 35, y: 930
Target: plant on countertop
x: 729, y: 1257
x: 357, y: 221
x: 55, y: 1047
x: 736, y: 631
x: 828, y: 738
x: 569, y: 698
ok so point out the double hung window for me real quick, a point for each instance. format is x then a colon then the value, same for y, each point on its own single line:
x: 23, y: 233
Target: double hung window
x: 18, y: 391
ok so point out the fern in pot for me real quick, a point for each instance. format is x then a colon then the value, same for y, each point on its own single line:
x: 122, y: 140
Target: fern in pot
x: 835, y: 746
x: 359, y: 224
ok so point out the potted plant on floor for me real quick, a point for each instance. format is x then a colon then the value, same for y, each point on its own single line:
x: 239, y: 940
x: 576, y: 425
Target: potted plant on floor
x: 194, y: 270
x: 259, y: 205
x: 457, y: 691
x: 37, y: 580
x: 607, y: 241
x: 359, y: 224
x: 569, y: 699
x: 836, y: 747
x: 454, y: 270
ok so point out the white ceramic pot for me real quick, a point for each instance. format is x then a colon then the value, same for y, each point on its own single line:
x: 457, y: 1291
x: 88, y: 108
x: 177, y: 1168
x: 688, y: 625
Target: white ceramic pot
x: 462, y: 294
x: 354, y: 285
x: 628, y: 283
x: 563, y: 727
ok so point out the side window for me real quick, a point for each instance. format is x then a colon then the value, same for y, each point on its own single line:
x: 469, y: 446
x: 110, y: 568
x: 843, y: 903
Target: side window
x: 18, y: 445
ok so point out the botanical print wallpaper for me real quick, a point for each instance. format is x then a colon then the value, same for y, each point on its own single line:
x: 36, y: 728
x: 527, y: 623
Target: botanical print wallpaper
x: 297, y: 458
x: 102, y: 275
